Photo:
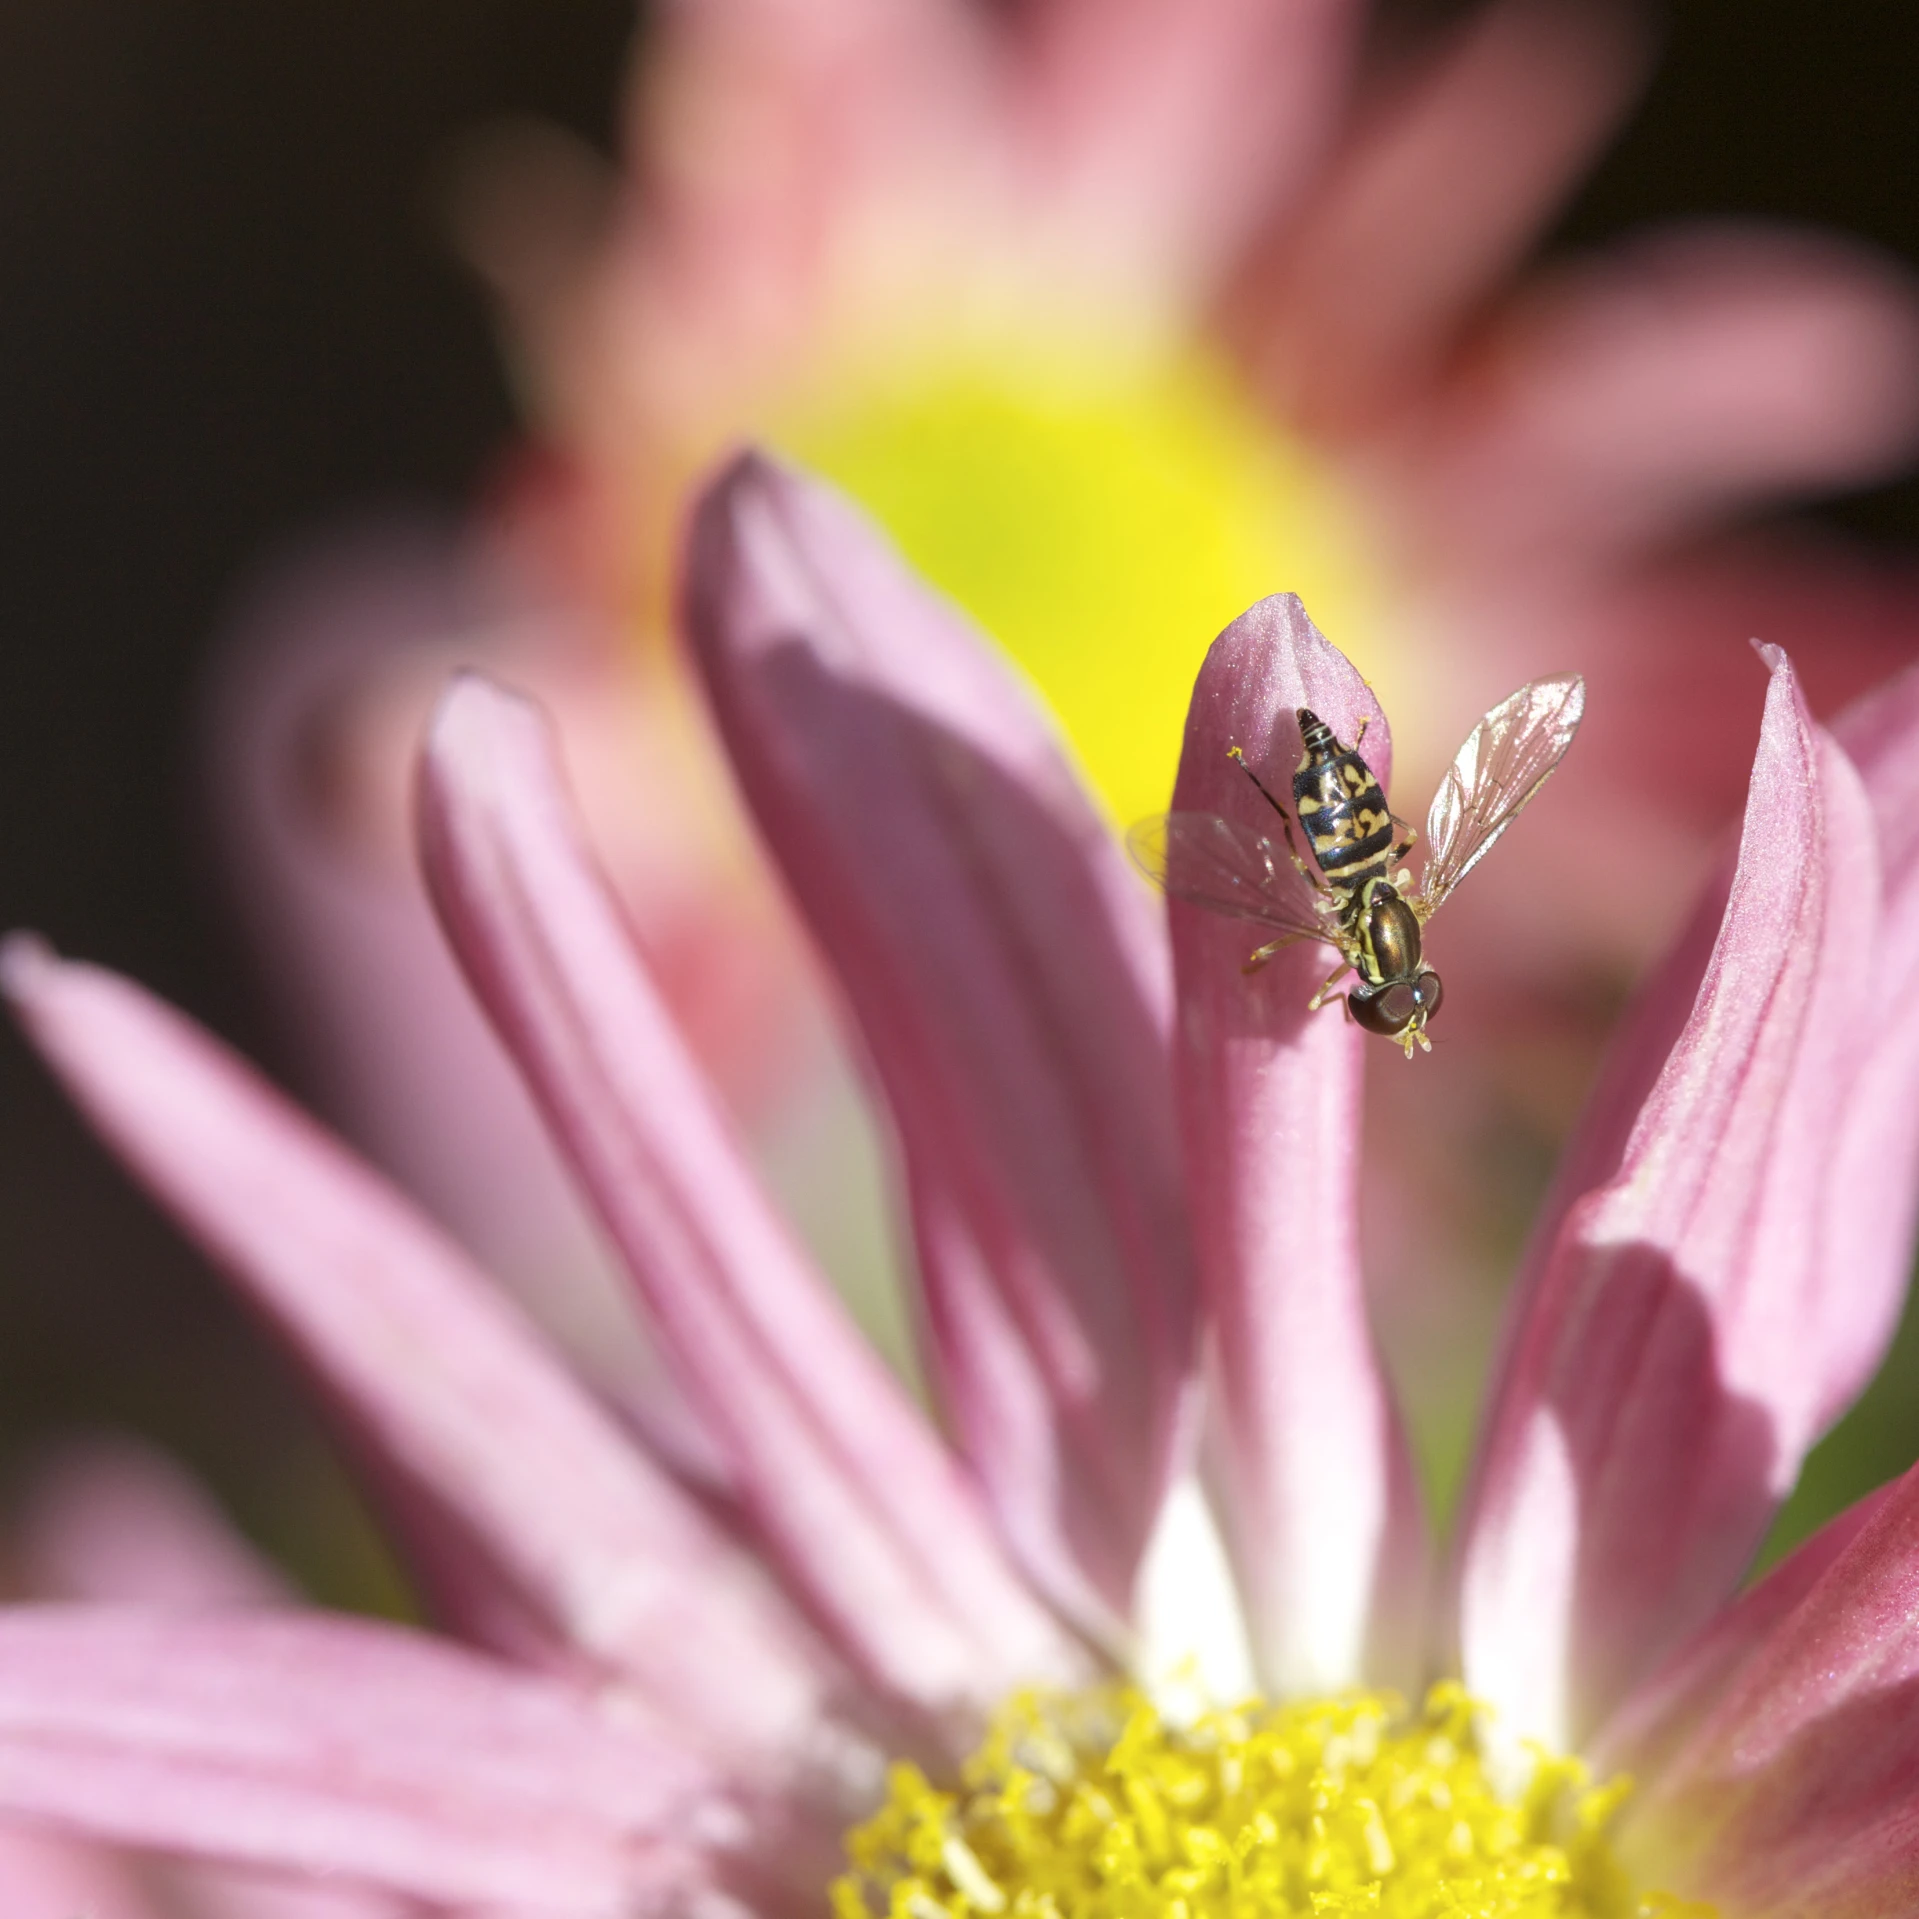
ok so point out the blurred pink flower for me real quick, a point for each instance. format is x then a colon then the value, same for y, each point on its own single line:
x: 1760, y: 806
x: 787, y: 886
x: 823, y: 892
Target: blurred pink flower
x: 809, y: 192
x: 1118, y: 1158
x: 796, y: 177
x: 821, y: 212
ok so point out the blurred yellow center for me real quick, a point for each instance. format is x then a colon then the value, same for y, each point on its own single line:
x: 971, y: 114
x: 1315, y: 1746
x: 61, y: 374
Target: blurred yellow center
x: 1101, y: 519
x: 1093, y: 1807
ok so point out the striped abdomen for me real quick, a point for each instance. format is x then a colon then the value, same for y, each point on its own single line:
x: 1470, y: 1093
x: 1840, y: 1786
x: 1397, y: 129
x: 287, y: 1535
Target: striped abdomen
x: 1341, y: 807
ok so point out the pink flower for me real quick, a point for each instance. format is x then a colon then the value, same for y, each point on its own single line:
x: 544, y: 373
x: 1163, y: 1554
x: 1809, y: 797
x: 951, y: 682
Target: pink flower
x: 808, y: 191
x: 914, y: 236
x: 680, y: 1676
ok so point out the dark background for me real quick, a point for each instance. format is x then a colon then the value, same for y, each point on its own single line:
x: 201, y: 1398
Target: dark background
x: 225, y: 318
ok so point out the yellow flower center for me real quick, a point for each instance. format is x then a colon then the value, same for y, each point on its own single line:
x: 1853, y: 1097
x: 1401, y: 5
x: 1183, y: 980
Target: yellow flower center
x: 1101, y: 515
x: 1095, y: 1807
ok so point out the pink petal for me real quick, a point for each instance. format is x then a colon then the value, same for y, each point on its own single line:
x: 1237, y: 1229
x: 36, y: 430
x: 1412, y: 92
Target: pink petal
x: 1875, y: 1167
x: 1321, y: 1507
x: 838, y: 1470
x: 1010, y: 987
x: 113, y: 1519
x: 1638, y: 396
x: 1683, y: 1336
x: 351, y: 1750
x: 320, y: 698
x: 454, y: 1396
x: 195, y: 1890
x: 1183, y: 123
x: 46, y: 1875
x: 1798, y: 1791
x: 796, y: 136
x: 1661, y: 1713
x: 1436, y: 194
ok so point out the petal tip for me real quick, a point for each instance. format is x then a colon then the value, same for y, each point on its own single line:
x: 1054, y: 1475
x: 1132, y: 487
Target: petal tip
x: 470, y: 699
x: 26, y: 961
x: 475, y: 729
x: 1282, y: 623
x: 752, y: 465
x: 1287, y: 608
x: 746, y: 474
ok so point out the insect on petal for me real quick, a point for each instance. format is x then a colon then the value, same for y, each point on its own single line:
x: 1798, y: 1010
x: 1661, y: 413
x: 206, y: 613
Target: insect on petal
x: 1321, y: 1510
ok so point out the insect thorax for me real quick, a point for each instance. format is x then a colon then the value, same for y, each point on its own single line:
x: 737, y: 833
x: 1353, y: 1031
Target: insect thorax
x: 1385, y: 935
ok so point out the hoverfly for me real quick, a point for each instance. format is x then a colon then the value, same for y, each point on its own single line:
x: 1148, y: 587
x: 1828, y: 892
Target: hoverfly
x: 1356, y: 902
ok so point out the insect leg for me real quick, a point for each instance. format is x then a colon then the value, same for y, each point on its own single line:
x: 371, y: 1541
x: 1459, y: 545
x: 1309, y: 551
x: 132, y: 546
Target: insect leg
x: 1306, y: 873
x: 1239, y: 759
x: 1258, y: 958
x: 1324, y: 996
x: 1402, y: 847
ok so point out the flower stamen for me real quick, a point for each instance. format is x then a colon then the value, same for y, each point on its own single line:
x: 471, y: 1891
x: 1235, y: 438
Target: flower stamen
x: 1094, y: 1806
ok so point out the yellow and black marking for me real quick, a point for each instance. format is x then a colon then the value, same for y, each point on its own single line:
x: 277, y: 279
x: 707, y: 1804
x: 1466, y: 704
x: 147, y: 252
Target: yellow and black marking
x: 1355, y: 901
x: 1348, y: 823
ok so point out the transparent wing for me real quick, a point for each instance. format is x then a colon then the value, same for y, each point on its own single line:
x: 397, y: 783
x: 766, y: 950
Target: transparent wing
x: 1211, y: 862
x: 1504, y: 762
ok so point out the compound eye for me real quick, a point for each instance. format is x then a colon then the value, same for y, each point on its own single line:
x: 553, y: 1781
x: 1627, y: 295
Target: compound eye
x: 1427, y: 991
x: 1399, y: 1002
x: 1389, y: 1010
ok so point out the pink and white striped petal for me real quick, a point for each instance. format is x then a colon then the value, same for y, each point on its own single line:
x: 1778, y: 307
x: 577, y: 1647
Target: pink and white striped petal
x: 862, y: 1505
x: 344, y: 1750
x: 1674, y: 1353
x: 1797, y: 1790
x: 1012, y: 992
x: 1321, y: 1508
x: 499, y: 1456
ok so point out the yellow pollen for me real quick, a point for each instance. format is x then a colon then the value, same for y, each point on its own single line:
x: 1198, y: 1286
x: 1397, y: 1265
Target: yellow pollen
x: 1095, y: 1807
